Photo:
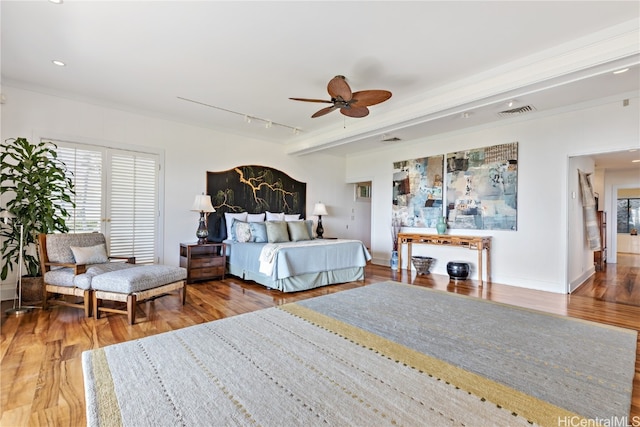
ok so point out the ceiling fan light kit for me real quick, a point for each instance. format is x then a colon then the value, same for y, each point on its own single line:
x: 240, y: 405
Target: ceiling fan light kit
x: 351, y: 104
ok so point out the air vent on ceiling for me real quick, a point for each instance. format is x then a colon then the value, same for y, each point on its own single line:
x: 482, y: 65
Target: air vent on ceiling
x: 516, y: 111
x: 387, y: 139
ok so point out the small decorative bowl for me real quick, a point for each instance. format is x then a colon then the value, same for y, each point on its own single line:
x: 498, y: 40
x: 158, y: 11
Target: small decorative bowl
x: 422, y: 263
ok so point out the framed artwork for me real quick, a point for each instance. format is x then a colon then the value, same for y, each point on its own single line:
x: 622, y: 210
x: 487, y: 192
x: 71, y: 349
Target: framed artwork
x: 417, y: 191
x: 482, y: 188
x: 256, y: 189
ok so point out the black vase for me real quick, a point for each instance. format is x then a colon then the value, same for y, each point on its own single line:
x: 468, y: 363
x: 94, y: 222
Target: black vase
x: 458, y: 270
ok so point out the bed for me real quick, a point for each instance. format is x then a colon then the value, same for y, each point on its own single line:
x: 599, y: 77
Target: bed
x: 299, y: 266
x: 260, y: 216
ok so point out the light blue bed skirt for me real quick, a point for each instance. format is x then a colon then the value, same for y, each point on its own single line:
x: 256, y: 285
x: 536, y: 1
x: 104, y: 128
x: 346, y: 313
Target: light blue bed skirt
x: 300, y: 268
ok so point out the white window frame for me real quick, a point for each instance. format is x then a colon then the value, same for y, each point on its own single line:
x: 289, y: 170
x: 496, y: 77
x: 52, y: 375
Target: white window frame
x: 94, y: 144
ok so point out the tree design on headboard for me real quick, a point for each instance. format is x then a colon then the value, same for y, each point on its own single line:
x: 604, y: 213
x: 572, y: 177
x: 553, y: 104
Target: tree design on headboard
x: 256, y: 189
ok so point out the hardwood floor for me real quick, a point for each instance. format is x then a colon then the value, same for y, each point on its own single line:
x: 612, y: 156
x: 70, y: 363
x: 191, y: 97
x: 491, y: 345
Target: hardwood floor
x: 41, y: 371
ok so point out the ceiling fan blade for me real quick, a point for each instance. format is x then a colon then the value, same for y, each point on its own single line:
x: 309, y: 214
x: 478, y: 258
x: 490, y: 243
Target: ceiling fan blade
x: 366, y: 98
x: 339, y: 88
x: 324, y: 111
x: 356, y: 112
x: 312, y: 100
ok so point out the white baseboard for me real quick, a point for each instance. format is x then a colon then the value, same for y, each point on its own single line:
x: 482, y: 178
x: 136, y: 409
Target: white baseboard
x: 581, y: 279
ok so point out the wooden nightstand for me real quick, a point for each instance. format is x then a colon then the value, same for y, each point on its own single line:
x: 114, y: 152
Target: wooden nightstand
x: 203, y: 262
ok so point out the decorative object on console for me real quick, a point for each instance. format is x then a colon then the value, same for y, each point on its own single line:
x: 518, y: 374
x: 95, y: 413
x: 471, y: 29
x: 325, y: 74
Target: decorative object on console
x: 422, y: 264
x: 16, y: 310
x: 202, y: 204
x: 319, y: 209
x: 458, y: 270
x: 441, y: 225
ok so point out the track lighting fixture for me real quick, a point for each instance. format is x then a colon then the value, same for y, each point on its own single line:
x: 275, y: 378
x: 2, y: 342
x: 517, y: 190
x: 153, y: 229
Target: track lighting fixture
x: 247, y: 118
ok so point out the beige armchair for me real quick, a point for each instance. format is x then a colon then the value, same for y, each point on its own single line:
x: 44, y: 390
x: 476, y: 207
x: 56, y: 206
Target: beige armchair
x: 69, y: 262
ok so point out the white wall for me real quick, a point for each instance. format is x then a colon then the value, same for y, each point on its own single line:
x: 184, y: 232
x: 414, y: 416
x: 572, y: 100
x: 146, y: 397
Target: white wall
x: 189, y: 152
x: 534, y: 256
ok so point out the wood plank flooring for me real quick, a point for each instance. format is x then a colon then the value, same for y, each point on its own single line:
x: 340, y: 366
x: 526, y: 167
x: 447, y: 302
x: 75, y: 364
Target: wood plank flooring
x: 40, y: 352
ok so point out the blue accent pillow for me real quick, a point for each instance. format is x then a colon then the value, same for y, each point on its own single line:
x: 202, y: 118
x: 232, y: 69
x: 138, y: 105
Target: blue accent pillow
x: 258, y: 232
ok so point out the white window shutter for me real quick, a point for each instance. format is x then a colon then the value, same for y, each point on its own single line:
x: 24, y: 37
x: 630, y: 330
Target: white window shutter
x: 86, y: 173
x: 133, y: 206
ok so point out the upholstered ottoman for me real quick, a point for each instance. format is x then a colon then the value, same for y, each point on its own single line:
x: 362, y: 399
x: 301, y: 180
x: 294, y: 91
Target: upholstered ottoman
x: 136, y: 284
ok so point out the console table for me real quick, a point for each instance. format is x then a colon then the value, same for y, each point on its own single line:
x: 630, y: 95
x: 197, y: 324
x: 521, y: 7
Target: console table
x: 479, y: 243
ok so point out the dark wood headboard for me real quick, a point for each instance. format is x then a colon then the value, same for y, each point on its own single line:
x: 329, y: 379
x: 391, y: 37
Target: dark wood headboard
x: 254, y: 189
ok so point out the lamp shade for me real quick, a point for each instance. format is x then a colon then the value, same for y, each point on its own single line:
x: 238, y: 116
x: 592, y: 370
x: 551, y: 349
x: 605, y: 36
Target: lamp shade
x: 202, y: 204
x: 319, y: 209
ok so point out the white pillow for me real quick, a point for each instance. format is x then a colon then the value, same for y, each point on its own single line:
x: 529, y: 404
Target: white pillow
x: 229, y: 217
x: 275, y: 216
x: 295, y: 217
x: 255, y: 217
x: 90, y: 254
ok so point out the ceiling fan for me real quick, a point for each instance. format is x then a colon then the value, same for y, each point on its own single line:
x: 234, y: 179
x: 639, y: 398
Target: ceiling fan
x: 352, y: 104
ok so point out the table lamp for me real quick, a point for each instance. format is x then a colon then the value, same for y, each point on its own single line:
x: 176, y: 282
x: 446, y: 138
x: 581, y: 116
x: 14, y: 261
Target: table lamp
x: 319, y: 209
x: 202, y: 204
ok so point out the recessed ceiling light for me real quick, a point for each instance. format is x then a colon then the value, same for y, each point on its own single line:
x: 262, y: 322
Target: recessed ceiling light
x: 624, y: 70
x: 56, y: 1
x: 635, y: 161
x: 58, y: 63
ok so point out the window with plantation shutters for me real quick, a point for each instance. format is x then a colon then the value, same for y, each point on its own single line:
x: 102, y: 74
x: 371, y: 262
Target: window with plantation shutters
x: 133, y: 206
x: 116, y: 194
x: 86, y: 173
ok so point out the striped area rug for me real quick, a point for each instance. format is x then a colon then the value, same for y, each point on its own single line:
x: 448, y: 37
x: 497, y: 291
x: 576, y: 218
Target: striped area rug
x: 383, y: 354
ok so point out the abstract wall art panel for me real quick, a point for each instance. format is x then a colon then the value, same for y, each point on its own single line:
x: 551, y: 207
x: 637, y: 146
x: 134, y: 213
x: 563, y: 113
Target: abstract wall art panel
x: 256, y: 189
x: 417, y: 191
x: 482, y: 188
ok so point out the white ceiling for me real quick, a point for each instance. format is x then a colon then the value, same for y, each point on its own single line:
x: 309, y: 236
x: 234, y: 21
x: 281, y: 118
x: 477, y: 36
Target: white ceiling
x: 438, y: 58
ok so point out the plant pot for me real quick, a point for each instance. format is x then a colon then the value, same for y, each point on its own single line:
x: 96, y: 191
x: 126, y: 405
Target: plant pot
x: 32, y: 289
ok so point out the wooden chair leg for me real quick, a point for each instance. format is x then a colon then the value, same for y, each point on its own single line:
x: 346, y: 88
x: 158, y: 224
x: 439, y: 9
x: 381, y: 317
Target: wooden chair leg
x: 45, y: 298
x: 131, y: 308
x: 87, y: 302
x: 183, y: 293
x: 96, y: 306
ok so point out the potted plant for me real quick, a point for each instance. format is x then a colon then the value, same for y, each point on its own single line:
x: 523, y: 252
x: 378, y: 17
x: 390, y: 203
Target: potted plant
x: 39, y: 190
